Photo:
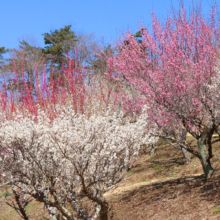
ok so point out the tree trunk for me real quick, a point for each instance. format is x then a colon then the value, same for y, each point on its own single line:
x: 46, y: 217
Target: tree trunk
x: 152, y: 150
x: 205, y: 160
x: 51, y: 68
x: 179, y: 146
x: 104, y: 212
x: 186, y: 155
x: 218, y: 132
x: 184, y: 151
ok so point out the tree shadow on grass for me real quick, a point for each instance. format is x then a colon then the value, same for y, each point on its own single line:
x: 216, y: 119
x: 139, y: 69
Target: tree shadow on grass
x: 170, y: 189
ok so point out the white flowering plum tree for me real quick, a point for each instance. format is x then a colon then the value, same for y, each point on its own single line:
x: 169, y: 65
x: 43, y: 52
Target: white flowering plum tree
x: 68, y: 163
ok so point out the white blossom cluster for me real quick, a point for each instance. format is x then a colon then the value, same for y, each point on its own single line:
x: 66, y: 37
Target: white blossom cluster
x: 70, y: 156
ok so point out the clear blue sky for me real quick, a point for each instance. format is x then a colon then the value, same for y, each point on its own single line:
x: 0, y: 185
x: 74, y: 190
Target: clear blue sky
x: 106, y: 18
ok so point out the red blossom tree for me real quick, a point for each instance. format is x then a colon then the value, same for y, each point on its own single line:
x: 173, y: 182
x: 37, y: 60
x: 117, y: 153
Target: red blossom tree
x: 176, y: 68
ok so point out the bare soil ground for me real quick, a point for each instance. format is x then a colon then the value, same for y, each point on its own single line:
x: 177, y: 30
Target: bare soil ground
x: 156, y: 188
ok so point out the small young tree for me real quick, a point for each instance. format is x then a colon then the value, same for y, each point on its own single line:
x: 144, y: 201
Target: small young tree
x: 23, y: 62
x: 2, y: 51
x: 176, y: 67
x: 87, y: 45
x: 57, y: 44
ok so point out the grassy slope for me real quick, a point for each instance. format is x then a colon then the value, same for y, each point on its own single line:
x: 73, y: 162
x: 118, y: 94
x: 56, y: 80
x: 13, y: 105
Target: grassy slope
x: 158, y: 187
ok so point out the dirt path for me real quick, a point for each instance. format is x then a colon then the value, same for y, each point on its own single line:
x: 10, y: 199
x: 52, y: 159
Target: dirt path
x: 124, y: 187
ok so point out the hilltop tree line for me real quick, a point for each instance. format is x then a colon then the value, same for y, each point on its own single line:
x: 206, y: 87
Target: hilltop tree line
x: 53, y: 57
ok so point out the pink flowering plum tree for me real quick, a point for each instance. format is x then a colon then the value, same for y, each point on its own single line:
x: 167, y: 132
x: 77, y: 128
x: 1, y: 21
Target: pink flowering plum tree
x: 176, y: 68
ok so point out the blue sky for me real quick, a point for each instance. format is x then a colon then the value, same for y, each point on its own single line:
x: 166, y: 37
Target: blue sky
x: 108, y: 18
